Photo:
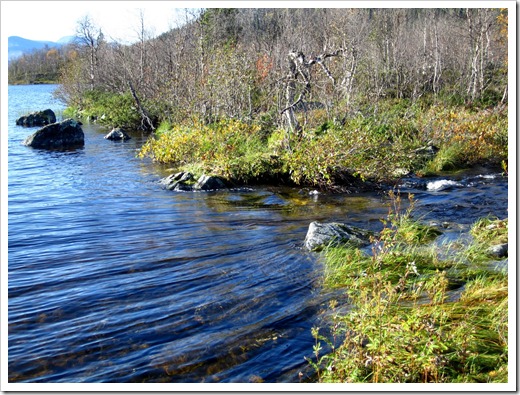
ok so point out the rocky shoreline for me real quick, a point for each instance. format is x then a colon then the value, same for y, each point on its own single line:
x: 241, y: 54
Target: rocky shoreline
x: 68, y: 134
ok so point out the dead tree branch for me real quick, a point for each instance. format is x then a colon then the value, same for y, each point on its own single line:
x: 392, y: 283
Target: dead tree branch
x: 299, y: 68
x: 146, y: 122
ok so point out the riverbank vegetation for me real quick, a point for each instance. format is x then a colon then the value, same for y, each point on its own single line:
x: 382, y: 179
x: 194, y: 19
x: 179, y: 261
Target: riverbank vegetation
x: 316, y: 93
x: 380, y: 145
x: 419, y: 313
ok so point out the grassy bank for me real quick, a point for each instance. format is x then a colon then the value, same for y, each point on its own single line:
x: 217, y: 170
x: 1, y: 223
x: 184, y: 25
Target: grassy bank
x: 379, y: 143
x: 410, y: 319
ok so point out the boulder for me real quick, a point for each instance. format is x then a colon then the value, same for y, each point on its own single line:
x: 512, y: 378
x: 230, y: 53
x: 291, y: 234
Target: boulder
x: 499, y: 250
x: 178, y: 181
x: 65, y: 134
x: 38, y: 118
x: 117, y: 134
x: 183, y: 181
x: 209, y: 183
x: 321, y: 235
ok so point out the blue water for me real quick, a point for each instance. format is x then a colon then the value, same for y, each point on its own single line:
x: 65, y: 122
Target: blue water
x: 113, y: 279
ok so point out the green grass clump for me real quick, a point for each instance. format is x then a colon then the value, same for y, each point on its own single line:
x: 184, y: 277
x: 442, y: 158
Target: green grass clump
x: 488, y: 231
x: 229, y: 148
x: 404, y: 323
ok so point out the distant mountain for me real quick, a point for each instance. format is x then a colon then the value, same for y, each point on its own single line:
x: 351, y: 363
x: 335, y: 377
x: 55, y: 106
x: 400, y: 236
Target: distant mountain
x: 66, y: 40
x: 17, y: 46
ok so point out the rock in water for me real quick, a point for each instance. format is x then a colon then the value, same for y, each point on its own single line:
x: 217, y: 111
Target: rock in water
x: 117, y: 134
x: 178, y: 181
x: 65, y: 134
x: 499, y: 250
x: 183, y: 182
x: 207, y: 183
x: 321, y: 235
x: 38, y: 118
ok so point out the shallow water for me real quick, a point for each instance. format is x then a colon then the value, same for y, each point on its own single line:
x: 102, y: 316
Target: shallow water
x: 113, y: 279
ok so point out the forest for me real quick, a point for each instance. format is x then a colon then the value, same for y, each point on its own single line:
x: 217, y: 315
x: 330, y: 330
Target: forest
x: 295, y: 80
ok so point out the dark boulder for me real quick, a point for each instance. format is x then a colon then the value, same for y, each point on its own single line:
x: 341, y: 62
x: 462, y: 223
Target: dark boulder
x: 184, y: 181
x: 178, y: 181
x: 117, y: 134
x: 65, y: 134
x: 209, y: 183
x: 38, y: 118
x: 321, y: 235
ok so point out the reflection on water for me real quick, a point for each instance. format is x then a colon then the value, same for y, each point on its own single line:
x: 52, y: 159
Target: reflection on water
x: 113, y: 279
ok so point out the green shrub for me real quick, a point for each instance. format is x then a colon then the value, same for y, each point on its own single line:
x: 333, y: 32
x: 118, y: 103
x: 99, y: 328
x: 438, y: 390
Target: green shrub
x: 229, y: 148
x: 377, y: 143
x: 110, y: 109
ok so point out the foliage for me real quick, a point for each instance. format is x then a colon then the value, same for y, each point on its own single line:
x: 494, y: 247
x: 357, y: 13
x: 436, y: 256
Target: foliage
x: 403, y: 326
x: 114, y: 110
x: 378, y: 143
x: 234, y: 62
x: 466, y: 136
x: 228, y: 148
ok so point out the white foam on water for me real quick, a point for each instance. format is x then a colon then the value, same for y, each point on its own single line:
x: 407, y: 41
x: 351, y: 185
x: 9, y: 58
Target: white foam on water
x: 441, y: 185
x: 487, y: 176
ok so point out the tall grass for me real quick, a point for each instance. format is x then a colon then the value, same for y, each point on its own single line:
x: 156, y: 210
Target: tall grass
x: 404, y: 324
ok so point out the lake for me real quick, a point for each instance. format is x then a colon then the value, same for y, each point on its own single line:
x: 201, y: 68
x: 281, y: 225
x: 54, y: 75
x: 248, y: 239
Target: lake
x: 113, y: 279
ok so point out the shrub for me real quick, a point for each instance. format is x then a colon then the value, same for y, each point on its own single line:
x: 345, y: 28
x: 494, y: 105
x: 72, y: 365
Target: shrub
x: 114, y: 110
x: 229, y: 148
x: 376, y: 143
x: 465, y: 136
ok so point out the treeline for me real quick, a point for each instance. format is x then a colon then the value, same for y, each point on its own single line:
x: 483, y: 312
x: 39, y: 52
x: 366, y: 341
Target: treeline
x: 39, y: 66
x: 276, y: 65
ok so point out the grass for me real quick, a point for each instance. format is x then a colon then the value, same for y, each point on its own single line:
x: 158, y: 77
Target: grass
x: 405, y: 323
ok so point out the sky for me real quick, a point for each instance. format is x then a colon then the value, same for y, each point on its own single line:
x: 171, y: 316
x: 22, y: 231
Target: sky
x: 119, y: 20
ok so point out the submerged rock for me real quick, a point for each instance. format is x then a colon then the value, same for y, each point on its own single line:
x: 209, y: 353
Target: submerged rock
x: 37, y: 118
x: 65, y: 134
x: 321, y: 235
x: 117, y: 134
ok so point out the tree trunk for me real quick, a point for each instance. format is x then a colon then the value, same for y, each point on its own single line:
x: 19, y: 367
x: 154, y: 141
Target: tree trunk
x: 290, y: 94
x: 146, y: 122
x: 299, y: 67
